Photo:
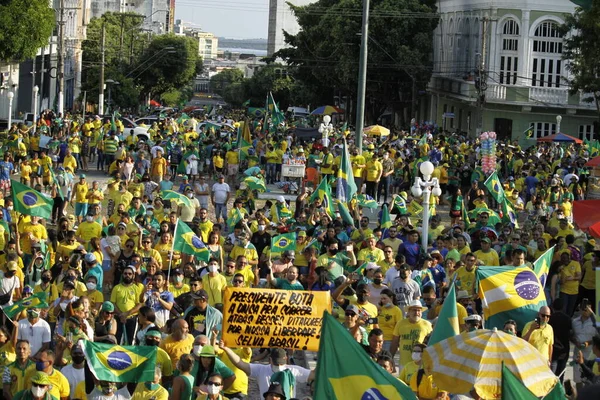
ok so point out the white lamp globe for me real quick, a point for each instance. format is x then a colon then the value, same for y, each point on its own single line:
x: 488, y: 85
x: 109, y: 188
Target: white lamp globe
x: 417, y: 191
x: 426, y: 168
x: 436, y: 191
x: 326, y: 119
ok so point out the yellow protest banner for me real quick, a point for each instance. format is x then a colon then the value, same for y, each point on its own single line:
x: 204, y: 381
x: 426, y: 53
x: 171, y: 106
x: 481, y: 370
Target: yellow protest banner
x: 289, y: 319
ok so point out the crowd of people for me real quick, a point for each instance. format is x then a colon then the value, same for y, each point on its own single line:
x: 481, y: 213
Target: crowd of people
x: 106, y: 261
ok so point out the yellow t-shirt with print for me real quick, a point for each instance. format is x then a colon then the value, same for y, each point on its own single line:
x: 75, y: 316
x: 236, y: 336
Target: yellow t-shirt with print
x: 126, y: 297
x: 387, y: 319
x: 465, y: 278
x: 542, y: 339
x: 569, y: 271
x: 81, y: 191
x: 409, y: 334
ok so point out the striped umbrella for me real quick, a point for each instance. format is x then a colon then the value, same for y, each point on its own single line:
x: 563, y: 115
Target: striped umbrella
x: 474, y: 360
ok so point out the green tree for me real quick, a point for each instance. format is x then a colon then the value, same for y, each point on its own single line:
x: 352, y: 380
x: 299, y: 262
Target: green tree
x: 582, y: 51
x: 221, y: 81
x: 327, y: 49
x: 170, y: 62
x: 26, y: 26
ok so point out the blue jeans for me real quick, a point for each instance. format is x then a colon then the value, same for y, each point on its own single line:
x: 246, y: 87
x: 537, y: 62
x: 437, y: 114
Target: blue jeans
x: 570, y: 302
x: 384, y: 186
x: 221, y: 209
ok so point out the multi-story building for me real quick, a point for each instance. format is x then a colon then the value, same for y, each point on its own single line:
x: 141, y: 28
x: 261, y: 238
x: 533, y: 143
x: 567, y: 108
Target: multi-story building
x: 518, y: 48
x: 159, y: 14
x: 208, y: 44
x: 282, y: 19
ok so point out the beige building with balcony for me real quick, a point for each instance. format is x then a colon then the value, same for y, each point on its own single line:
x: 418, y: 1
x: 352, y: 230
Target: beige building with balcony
x: 524, y: 72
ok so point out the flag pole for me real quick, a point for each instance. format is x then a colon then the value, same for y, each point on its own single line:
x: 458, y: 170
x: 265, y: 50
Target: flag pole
x: 172, y: 249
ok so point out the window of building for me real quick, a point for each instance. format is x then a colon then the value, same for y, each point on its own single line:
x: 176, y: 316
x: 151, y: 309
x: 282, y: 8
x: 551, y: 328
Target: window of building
x: 509, y: 60
x: 541, y: 129
x: 586, y: 132
x: 547, y: 62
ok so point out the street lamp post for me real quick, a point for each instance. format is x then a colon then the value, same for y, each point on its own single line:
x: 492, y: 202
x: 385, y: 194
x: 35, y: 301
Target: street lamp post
x: 558, y: 121
x: 110, y: 83
x: 10, y: 95
x: 325, y: 128
x: 36, y: 89
x: 423, y: 187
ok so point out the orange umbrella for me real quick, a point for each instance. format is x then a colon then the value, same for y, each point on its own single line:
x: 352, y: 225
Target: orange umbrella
x: 593, y: 162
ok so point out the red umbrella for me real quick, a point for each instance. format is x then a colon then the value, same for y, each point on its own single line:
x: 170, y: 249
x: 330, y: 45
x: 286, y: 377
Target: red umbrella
x: 593, y: 162
x: 595, y: 230
x: 560, y: 137
x: 154, y: 103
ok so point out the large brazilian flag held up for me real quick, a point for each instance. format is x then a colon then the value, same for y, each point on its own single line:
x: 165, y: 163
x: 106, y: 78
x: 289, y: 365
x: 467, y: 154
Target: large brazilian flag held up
x: 113, y: 363
x: 345, y: 371
x: 187, y: 242
x: 29, y: 201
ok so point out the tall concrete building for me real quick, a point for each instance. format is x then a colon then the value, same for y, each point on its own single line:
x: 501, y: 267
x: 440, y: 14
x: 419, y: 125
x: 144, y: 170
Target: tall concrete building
x: 208, y: 43
x: 281, y: 19
x: 160, y: 14
x: 522, y: 83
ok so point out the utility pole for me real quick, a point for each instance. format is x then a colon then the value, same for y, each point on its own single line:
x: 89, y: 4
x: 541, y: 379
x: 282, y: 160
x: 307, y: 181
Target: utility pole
x: 362, y: 76
x: 101, y: 89
x: 60, y: 73
x: 481, y: 81
x: 43, y: 72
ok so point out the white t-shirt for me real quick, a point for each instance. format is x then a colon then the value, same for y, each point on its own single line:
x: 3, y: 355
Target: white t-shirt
x: 390, y: 275
x: 263, y: 373
x: 73, y: 375
x: 36, y: 334
x: 9, y: 285
x: 202, y: 188
x: 187, y: 213
x: 220, y: 191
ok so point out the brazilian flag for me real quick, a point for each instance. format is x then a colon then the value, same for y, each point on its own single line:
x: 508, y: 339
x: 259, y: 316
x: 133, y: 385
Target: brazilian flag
x: 345, y: 213
x: 187, y: 242
x: 492, y: 183
x: 256, y: 112
x: 30, y: 202
x: 541, y: 266
x: 281, y: 243
x: 400, y: 204
x: 386, y: 221
x: 345, y: 371
x: 38, y: 300
x: 508, y: 214
x: 113, y: 363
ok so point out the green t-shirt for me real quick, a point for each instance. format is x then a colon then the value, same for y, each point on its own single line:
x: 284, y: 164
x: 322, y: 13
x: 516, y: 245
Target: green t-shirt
x: 340, y: 262
x: 284, y: 284
x: 219, y: 368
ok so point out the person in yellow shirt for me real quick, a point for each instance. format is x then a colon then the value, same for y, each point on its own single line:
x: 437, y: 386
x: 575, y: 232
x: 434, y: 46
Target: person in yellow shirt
x: 570, y: 275
x: 408, y: 331
x: 271, y: 158
x: 32, y: 233
x: 539, y: 333
x: 179, y: 342
x: 371, y: 253
x: 464, y: 277
x: 26, y: 170
x: 358, y: 163
x: 487, y: 256
x: 233, y: 164
x: 389, y: 315
x: 58, y: 383
x: 327, y: 164
x: 417, y: 361
x: 218, y: 162
x: 374, y: 172
x: 14, y: 374
x: 70, y: 161
x: 88, y: 229
x: 214, y: 284
x: 81, y: 202
x: 158, y: 167
x: 127, y: 298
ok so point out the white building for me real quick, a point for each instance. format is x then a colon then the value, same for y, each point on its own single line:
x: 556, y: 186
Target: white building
x: 208, y: 44
x: 159, y: 14
x: 281, y: 19
x: 523, y: 66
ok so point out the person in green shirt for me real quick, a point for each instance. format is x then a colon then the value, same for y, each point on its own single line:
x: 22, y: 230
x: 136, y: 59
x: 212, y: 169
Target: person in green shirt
x: 336, y: 263
x: 289, y: 283
x: 207, y: 364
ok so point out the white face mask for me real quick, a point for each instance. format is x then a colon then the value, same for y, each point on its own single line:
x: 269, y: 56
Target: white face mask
x: 197, y: 349
x: 213, y: 268
x: 38, y: 391
x: 191, y: 195
x: 212, y: 389
x: 416, y: 357
x: 91, y: 286
x: 261, y: 227
x: 278, y: 368
x: 9, y: 208
x: 89, y: 218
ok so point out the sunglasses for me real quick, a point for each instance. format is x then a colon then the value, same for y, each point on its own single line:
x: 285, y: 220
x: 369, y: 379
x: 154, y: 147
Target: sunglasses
x: 38, y: 385
x: 146, y: 242
x: 350, y: 314
x: 212, y: 383
x: 545, y: 315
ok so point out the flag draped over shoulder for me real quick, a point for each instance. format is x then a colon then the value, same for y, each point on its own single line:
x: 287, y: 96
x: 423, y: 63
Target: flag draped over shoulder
x: 492, y: 183
x: 345, y: 371
x: 447, y: 324
x: 29, y: 201
x: 114, y: 363
x: 187, y: 242
x: 281, y: 243
x: 345, y: 187
x: 38, y: 300
x: 541, y: 266
x: 509, y: 293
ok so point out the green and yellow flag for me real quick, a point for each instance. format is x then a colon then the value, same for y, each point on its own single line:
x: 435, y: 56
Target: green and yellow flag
x: 447, y: 324
x: 415, y: 209
x: 236, y: 216
x: 541, y: 266
x: 281, y: 243
x: 513, y: 388
x: 465, y: 215
x: 345, y: 186
x: 345, y: 371
x: 114, y: 363
x: 29, y: 201
x: 492, y: 183
x: 345, y: 213
x: 400, y: 204
x: 508, y: 213
x: 323, y: 193
x: 187, y: 242
x: 38, y: 300
x: 386, y: 221
x: 509, y: 293
x: 366, y: 201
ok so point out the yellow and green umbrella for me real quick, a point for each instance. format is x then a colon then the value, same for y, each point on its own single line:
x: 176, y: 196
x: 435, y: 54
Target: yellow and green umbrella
x: 376, y: 130
x: 474, y: 360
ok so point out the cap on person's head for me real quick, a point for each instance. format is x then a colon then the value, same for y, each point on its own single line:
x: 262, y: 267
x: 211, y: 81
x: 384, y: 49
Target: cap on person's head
x: 289, y: 254
x: 82, y: 176
x: 131, y: 267
x: 280, y: 199
x: 473, y: 318
x: 276, y: 389
x: 243, y: 235
x: 12, y: 266
x: 278, y: 356
x: 200, y: 295
x: 74, y: 320
x: 89, y: 258
x: 371, y: 236
x: 462, y: 294
x: 352, y: 308
x: 27, y: 290
x: 446, y: 165
x: 41, y: 378
x: 371, y: 266
x: 186, y: 178
x: 208, y: 351
x: 122, y: 224
x: 177, y: 271
x: 221, y: 176
x: 68, y: 285
x: 302, y: 233
x: 486, y: 240
x: 415, y: 304
x: 108, y: 307
x: 153, y: 333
